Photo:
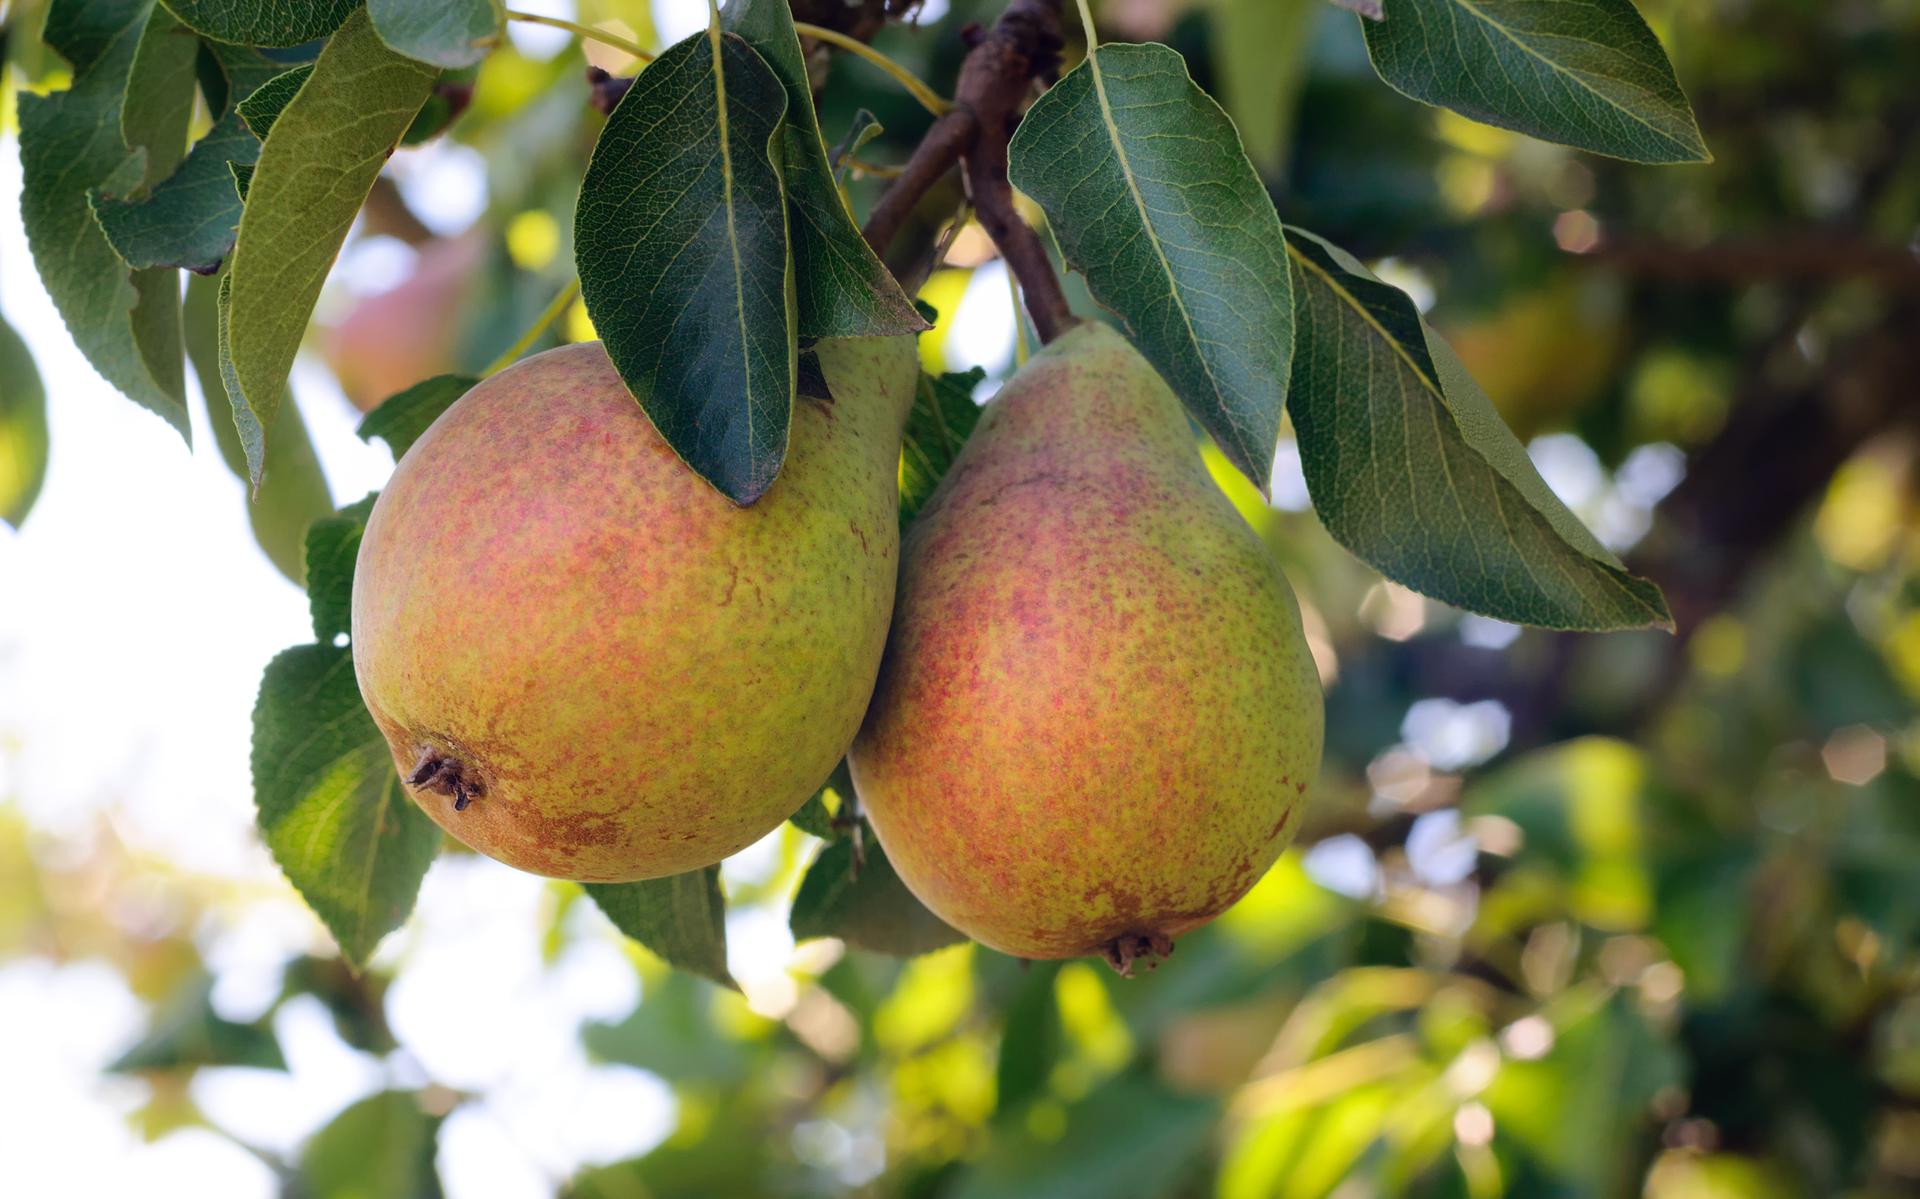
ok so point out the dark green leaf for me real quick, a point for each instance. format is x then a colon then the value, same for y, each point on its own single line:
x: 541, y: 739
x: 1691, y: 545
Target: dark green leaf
x: 1031, y: 1038
x: 315, y: 169
x: 681, y: 242
x: 941, y: 419
x: 1132, y: 1138
x: 159, y: 99
x: 868, y: 907
x: 401, y: 419
x: 188, y: 219
x: 815, y: 816
x: 187, y: 1033
x: 23, y: 428
x: 672, y: 1033
x: 253, y: 23
x: 127, y: 324
x: 445, y: 33
x: 1412, y: 470
x: 681, y: 918
x: 1153, y: 200
x: 1589, y: 74
x: 843, y: 289
x: 864, y: 129
x: 294, y: 492
x: 262, y: 107
x: 331, y: 808
x: 379, y: 1148
x: 333, y: 543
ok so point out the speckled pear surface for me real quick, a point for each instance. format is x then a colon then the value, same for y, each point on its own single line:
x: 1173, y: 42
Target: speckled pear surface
x: 590, y: 663
x: 1097, y: 718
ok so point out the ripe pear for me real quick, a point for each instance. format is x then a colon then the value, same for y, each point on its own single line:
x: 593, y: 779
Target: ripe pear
x: 1097, y: 717
x: 590, y: 664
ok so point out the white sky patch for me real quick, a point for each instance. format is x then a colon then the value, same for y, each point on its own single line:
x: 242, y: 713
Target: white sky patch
x: 676, y: 19
x: 541, y: 42
x: 1452, y: 735
x: 444, y: 182
x: 1345, y: 865
x: 1290, y: 478
x: 981, y: 332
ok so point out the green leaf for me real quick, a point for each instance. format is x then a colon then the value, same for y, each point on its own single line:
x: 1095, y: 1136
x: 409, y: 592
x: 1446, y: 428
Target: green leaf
x: 127, y: 324
x: 1132, y: 1137
x: 1031, y: 1039
x: 1588, y: 73
x: 865, y: 128
x: 333, y: 544
x: 316, y: 166
x: 379, y: 1148
x: 402, y: 418
x: 160, y: 90
x: 330, y: 805
x: 941, y: 419
x: 1260, y: 49
x: 1412, y: 470
x: 187, y: 1033
x: 681, y: 918
x: 263, y: 106
x: 1151, y: 197
x: 294, y: 492
x: 681, y: 242
x: 188, y: 219
x: 868, y: 907
x: 843, y: 288
x: 814, y: 817
x: 23, y: 428
x: 253, y: 23
x: 444, y: 33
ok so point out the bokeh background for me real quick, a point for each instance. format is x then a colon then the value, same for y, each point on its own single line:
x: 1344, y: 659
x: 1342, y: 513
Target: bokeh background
x: 1571, y: 916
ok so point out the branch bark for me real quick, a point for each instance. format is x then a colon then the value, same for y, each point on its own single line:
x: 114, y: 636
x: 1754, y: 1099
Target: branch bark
x: 995, y: 83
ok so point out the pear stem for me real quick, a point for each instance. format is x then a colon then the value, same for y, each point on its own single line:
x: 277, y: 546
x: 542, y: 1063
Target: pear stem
x: 995, y: 82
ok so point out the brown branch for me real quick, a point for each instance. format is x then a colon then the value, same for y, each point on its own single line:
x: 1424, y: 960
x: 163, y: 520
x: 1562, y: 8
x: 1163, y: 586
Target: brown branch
x: 995, y: 81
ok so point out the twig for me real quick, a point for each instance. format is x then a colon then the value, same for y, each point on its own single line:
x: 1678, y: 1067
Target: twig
x: 995, y: 81
x: 586, y: 33
x: 929, y: 99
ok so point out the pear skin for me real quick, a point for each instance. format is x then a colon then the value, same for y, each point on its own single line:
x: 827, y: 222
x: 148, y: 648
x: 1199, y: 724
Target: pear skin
x: 1097, y: 718
x: 590, y: 664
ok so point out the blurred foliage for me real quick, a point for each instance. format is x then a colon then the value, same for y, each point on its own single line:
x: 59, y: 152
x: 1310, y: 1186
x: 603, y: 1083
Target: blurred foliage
x: 1657, y: 935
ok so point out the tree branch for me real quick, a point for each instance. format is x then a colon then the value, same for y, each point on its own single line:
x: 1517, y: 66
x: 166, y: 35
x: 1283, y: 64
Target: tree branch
x: 995, y: 82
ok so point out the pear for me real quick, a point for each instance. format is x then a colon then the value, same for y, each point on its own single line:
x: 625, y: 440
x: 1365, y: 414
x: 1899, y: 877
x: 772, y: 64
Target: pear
x: 590, y: 664
x: 1097, y: 717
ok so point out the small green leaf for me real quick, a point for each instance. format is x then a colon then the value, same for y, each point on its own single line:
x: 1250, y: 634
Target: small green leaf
x: 294, y: 492
x: 681, y: 918
x: 316, y: 166
x: 843, y: 288
x: 402, y: 418
x: 443, y: 33
x: 941, y: 419
x: 1146, y: 187
x: 188, y: 219
x: 159, y: 99
x: 187, y: 1033
x: 330, y: 805
x: 866, y: 906
x: 379, y: 1148
x: 681, y: 242
x: 127, y: 324
x: 333, y: 544
x: 1260, y: 49
x: 815, y: 817
x: 1411, y: 468
x: 252, y: 23
x: 865, y: 128
x: 1589, y: 74
x: 260, y: 108
x: 23, y: 428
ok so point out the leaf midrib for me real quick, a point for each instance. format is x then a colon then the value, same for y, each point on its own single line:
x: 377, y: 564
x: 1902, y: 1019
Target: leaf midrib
x: 1571, y: 75
x: 1146, y: 222
x: 726, y: 202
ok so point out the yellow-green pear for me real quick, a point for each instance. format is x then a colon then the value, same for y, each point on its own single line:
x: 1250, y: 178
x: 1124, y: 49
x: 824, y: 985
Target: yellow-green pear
x: 1097, y: 717
x: 590, y: 664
